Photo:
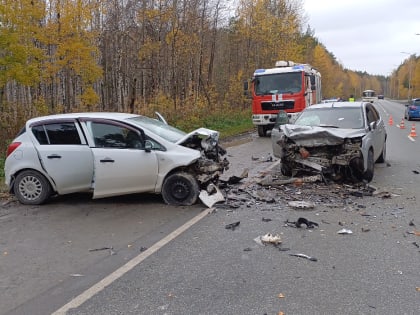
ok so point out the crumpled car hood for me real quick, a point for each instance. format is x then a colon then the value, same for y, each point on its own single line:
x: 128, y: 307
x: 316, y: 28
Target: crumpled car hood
x: 313, y: 136
x: 208, y: 133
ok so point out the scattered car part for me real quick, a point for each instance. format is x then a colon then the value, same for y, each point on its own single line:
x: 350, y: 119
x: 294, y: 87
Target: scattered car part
x: 271, y: 239
x: 304, y: 256
x: 211, y: 195
x: 309, y: 224
x: 232, y: 226
x: 345, y: 231
x: 302, y: 204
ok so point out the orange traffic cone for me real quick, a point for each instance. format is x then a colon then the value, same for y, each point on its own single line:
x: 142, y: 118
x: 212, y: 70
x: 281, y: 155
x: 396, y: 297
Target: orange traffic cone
x: 413, y: 131
x: 402, y: 126
x: 390, y: 121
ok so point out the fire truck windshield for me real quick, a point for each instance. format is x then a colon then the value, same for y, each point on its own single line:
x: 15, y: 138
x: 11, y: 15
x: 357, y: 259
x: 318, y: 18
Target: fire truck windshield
x: 278, y: 83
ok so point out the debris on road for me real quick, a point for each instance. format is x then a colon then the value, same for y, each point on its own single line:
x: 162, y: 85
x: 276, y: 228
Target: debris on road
x: 345, y: 231
x: 300, y: 204
x: 76, y: 275
x: 270, y: 239
x: 232, y: 226
x: 304, y: 256
x: 309, y: 224
x: 416, y: 233
x: 211, y: 195
x: 111, y: 250
x: 101, y: 248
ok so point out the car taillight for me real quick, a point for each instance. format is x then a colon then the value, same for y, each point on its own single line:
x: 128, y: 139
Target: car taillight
x: 12, y: 147
x: 413, y: 107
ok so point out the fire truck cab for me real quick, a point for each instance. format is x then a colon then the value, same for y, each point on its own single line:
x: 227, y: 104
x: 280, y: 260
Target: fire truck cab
x: 289, y: 86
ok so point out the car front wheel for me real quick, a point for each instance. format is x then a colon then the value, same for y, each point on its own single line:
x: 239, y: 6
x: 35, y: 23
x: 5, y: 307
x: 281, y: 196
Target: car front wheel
x: 31, y: 188
x: 368, y: 175
x: 180, y: 189
x: 382, y: 157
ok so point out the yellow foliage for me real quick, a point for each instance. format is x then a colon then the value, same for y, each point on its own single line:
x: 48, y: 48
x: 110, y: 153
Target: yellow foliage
x: 89, y: 98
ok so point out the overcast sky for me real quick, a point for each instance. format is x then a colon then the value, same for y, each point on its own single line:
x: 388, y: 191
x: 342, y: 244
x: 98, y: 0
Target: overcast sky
x: 367, y: 35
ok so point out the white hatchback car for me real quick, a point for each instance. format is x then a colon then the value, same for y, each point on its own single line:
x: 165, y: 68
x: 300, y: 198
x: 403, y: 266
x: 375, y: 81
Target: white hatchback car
x: 340, y: 140
x: 111, y: 154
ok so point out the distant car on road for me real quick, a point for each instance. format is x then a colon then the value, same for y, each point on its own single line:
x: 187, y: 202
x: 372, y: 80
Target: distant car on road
x: 380, y: 97
x: 412, y: 109
x: 337, y: 140
x: 110, y: 154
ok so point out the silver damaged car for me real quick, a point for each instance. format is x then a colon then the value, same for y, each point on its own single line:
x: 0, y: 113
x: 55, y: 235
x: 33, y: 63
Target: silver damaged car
x: 110, y: 154
x: 339, y: 140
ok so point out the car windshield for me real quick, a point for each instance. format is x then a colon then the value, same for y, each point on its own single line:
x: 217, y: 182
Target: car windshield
x: 338, y: 117
x: 416, y: 102
x: 159, y: 128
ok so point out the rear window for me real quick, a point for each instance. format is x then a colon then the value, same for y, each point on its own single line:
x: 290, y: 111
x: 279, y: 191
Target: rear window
x: 56, y: 133
x: 416, y: 102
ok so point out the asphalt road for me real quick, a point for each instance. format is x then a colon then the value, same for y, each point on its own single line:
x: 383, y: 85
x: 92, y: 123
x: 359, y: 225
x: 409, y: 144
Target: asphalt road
x: 208, y: 269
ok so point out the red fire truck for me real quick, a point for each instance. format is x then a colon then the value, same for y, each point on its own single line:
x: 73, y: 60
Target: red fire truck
x: 289, y: 86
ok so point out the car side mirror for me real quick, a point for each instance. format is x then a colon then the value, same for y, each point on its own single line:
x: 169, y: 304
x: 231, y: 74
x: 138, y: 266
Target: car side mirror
x: 148, y: 146
x: 372, y: 125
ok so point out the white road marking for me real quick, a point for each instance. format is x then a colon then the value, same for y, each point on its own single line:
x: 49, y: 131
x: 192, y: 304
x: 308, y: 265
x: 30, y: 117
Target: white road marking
x: 86, y: 295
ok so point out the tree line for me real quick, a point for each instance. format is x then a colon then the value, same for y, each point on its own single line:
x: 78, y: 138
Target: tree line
x: 184, y: 58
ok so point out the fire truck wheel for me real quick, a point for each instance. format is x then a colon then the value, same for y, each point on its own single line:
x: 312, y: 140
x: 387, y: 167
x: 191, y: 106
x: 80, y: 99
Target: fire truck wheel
x: 262, y: 131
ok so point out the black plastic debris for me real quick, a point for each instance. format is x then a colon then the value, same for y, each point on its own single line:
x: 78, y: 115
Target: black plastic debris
x: 266, y: 219
x: 302, y: 221
x: 304, y: 256
x: 111, y: 250
x: 416, y: 172
x: 99, y: 249
x: 232, y: 226
x: 357, y: 193
x: 309, y: 224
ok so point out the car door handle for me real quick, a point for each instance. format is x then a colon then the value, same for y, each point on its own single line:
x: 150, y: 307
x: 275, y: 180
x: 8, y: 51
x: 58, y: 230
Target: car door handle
x: 107, y: 160
x: 54, y: 156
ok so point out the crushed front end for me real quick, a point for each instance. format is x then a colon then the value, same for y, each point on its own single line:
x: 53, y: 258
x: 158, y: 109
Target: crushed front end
x: 334, y: 155
x: 212, y: 163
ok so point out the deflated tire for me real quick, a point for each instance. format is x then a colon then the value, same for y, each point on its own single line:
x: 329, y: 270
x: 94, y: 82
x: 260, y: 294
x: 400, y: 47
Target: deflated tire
x: 180, y: 189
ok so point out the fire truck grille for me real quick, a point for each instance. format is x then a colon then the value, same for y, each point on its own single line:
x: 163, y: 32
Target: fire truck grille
x: 278, y: 105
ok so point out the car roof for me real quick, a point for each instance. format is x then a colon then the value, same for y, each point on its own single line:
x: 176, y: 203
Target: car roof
x: 107, y: 115
x: 339, y: 105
